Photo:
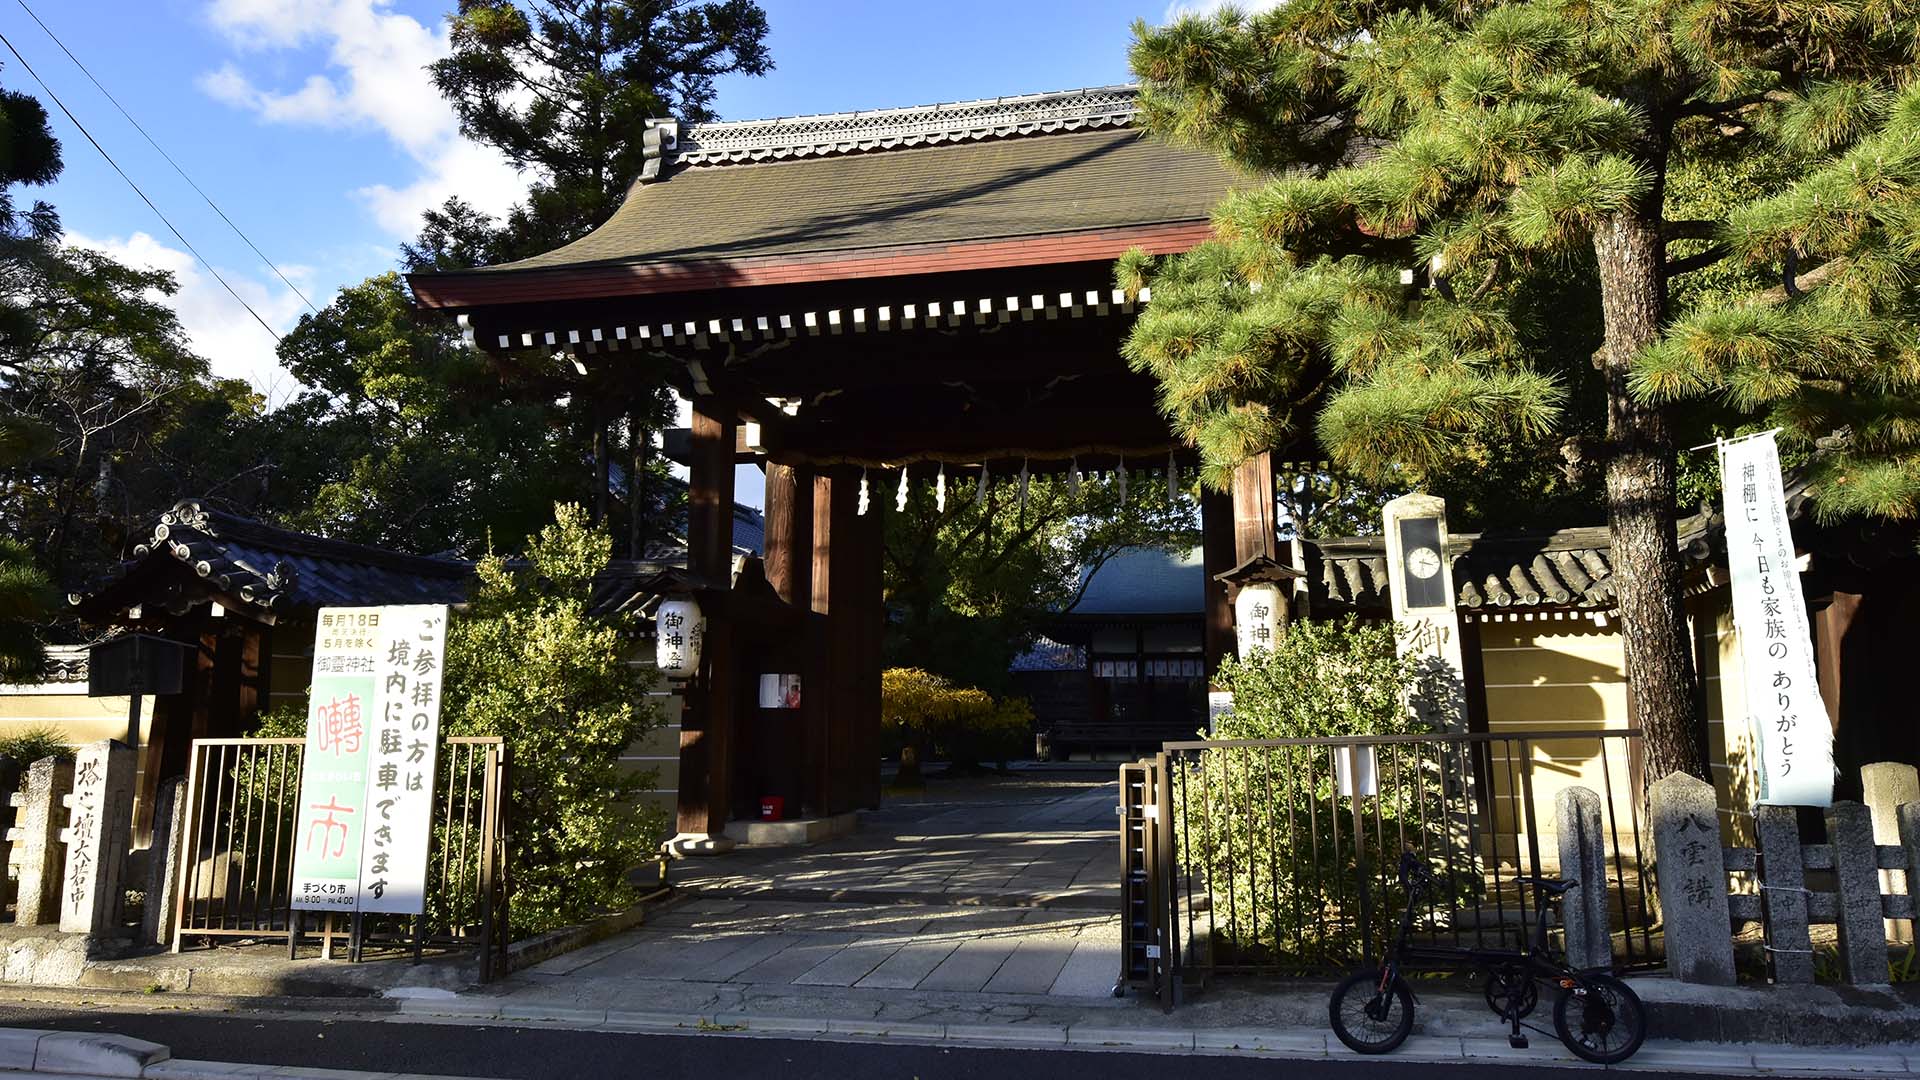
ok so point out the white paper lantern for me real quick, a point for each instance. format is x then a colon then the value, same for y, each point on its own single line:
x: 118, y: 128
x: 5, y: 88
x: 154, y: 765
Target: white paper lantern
x: 1256, y: 617
x: 678, y: 629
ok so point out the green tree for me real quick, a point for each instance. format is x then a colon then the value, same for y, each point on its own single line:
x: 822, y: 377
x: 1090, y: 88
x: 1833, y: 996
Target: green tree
x: 1532, y: 163
x: 526, y: 661
x: 973, y: 580
x: 565, y: 88
x: 407, y: 438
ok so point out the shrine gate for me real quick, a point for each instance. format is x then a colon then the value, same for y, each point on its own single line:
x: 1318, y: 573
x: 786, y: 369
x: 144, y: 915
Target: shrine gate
x: 842, y: 298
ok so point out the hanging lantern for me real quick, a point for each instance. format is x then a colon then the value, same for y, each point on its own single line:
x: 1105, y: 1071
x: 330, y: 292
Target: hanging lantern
x: 1256, y: 616
x: 863, y: 493
x: 940, y: 490
x: 677, y: 632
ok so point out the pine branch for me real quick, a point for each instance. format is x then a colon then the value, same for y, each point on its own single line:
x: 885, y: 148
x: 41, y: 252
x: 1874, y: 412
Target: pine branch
x: 1720, y: 108
x: 1800, y: 283
x: 1687, y: 265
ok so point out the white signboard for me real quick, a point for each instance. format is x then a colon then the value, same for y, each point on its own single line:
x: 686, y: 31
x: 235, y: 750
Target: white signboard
x: 1789, y: 721
x: 366, y: 786
x: 402, y: 756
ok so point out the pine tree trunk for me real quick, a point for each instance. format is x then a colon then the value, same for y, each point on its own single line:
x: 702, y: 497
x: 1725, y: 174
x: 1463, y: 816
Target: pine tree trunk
x: 1640, y: 503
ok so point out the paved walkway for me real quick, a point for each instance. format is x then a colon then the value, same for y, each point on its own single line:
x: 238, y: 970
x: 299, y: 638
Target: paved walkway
x: 1028, y: 840
x: 1000, y: 892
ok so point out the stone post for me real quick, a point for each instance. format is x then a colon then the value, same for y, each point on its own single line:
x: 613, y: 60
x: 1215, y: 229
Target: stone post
x: 99, y: 829
x: 10, y: 777
x: 35, y: 853
x: 1583, y: 857
x: 1856, y: 867
x: 1783, y: 894
x: 1692, y: 871
x: 163, y: 862
x: 1886, y: 786
x: 1908, y: 817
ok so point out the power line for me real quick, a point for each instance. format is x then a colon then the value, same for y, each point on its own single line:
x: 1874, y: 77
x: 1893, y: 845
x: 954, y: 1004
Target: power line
x: 178, y: 235
x: 169, y: 158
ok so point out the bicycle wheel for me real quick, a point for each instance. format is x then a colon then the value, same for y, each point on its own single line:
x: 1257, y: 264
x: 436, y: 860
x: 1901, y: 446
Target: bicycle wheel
x: 1368, y: 1020
x: 1600, y: 1019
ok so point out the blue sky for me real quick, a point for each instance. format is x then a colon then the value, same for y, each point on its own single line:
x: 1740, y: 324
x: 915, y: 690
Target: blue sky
x: 311, y: 123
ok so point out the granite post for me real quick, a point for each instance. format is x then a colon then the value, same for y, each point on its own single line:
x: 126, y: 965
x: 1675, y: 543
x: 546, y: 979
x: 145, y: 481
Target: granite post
x: 163, y: 862
x: 99, y: 829
x: 1583, y: 857
x: 1692, y: 872
x: 1856, y: 867
x: 1908, y: 817
x: 35, y: 853
x: 1783, y: 894
x: 11, y: 774
x: 1886, y: 786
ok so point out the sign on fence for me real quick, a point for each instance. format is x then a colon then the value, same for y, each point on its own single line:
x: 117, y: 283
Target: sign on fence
x: 366, y: 789
x: 1791, y: 733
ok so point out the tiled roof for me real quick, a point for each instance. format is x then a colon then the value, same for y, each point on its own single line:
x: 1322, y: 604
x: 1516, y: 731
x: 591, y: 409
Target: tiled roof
x: 1570, y: 568
x: 1145, y: 581
x: 1046, y: 654
x: 991, y: 184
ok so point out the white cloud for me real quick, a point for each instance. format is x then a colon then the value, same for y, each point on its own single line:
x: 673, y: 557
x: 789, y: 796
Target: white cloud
x: 375, y: 78
x: 1207, y: 7
x: 217, y: 325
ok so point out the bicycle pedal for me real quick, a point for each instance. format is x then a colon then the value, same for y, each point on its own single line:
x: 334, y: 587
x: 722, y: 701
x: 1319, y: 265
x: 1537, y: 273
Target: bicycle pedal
x: 1518, y: 1042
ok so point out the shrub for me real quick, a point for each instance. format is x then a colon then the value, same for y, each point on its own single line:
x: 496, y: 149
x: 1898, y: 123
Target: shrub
x: 31, y: 744
x: 922, y: 714
x: 1265, y: 825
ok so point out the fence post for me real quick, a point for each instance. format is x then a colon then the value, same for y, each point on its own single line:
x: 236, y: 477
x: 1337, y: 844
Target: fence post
x: 35, y: 851
x: 1885, y: 787
x: 1908, y: 818
x: 1692, y: 881
x: 1863, y: 939
x: 1783, y: 894
x: 1583, y: 856
x: 163, y: 862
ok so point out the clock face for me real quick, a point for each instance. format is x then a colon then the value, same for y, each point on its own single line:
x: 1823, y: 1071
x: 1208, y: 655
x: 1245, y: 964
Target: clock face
x: 1423, y: 562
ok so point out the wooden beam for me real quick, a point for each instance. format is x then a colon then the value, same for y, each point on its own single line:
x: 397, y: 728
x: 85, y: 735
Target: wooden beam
x: 707, y: 724
x: 789, y: 534
x: 1216, y: 549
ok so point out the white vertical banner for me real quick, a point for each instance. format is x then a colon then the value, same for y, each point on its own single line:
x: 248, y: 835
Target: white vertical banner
x: 1791, y: 731
x: 403, y: 752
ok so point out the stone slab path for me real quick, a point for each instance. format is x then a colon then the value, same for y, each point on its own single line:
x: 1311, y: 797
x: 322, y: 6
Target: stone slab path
x: 991, y: 895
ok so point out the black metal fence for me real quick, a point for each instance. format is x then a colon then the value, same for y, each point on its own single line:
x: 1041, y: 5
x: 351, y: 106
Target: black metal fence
x: 1279, y: 856
x: 236, y: 870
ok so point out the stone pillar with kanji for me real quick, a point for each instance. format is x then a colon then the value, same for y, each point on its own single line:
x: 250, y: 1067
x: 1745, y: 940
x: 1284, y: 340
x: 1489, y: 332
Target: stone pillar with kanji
x: 99, y: 829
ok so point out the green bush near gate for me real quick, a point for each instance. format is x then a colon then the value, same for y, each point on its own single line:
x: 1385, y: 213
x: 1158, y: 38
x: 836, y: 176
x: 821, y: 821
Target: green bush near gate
x: 526, y: 661
x: 1264, y: 829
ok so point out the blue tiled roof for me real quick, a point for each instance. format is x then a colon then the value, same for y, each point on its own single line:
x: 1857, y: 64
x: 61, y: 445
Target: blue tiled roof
x: 1146, y: 581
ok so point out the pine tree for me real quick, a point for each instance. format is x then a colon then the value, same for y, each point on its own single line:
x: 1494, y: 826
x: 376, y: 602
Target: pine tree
x: 565, y: 87
x: 1524, y: 158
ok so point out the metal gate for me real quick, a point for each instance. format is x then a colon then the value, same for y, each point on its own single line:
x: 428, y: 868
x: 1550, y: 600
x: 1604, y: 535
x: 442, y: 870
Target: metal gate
x: 1278, y: 856
x: 236, y: 869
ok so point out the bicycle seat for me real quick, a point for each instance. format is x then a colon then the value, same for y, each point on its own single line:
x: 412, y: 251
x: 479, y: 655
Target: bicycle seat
x: 1553, y: 886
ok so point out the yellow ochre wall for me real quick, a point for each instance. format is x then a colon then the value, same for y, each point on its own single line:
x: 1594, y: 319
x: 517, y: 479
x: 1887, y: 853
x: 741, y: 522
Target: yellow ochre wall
x: 79, y: 719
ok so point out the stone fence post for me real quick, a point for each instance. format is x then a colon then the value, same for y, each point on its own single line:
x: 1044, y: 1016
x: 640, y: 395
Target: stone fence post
x: 1856, y: 867
x: 35, y: 851
x: 97, y: 836
x: 1583, y: 857
x: 163, y: 862
x: 1783, y: 894
x: 1692, y: 871
x: 1885, y: 787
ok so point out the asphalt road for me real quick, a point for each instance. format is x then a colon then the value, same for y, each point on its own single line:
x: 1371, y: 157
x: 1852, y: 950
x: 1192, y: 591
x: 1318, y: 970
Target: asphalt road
x: 554, y: 1054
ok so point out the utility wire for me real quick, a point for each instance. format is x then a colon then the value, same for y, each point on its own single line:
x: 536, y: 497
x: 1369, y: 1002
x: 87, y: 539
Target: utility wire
x: 4, y: 40
x: 176, y: 165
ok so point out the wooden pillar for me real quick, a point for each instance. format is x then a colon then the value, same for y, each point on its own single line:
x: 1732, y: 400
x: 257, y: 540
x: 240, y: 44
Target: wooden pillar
x: 1216, y: 549
x: 1255, y: 526
x: 789, y: 556
x: 822, y: 696
x: 638, y: 508
x: 601, y: 460
x: 706, y: 726
x: 847, y: 590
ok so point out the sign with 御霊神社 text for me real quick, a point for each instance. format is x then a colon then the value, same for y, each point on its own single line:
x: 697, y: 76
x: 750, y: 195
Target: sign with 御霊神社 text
x: 1792, y: 736
x: 366, y: 786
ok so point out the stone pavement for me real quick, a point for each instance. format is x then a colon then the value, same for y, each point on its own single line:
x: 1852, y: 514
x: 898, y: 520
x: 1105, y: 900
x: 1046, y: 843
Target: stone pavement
x: 1046, y: 839
x: 999, y: 891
